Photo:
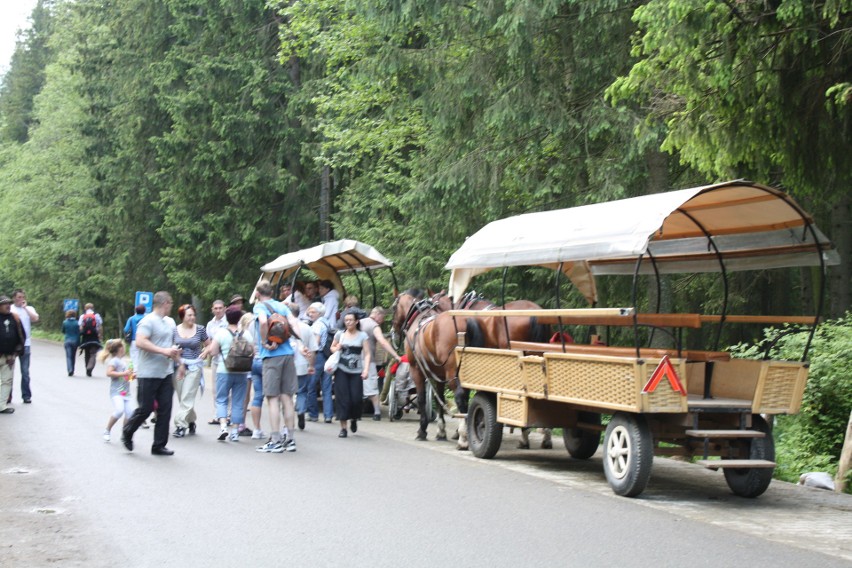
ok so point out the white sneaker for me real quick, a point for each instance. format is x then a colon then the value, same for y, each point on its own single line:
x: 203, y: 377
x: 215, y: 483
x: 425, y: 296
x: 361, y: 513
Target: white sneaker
x: 235, y: 435
x: 106, y: 435
x: 258, y: 435
x: 223, y: 433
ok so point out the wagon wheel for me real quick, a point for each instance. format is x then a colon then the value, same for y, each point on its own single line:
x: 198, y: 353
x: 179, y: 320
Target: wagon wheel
x: 483, y: 431
x: 431, y: 415
x: 581, y: 443
x: 628, y: 454
x: 753, y: 481
x: 393, y: 402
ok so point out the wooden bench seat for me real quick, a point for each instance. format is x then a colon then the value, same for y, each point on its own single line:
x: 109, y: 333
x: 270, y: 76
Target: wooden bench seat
x: 688, y: 354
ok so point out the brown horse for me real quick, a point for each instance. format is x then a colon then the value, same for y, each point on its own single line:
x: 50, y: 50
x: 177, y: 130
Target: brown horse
x: 431, y: 337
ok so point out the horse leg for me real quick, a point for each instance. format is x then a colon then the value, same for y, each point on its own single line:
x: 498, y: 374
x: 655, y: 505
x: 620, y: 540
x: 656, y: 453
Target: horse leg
x: 442, y: 426
x: 424, y: 420
x: 524, y: 444
x: 462, y: 401
x: 547, y: 442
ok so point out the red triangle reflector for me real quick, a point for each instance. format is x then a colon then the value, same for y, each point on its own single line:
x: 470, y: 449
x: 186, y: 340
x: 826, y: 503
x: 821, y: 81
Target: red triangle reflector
x: 664, y: 369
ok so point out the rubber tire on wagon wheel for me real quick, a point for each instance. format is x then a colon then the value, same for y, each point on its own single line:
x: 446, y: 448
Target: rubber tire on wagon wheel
x: 581, y: 443
x: 431, y: 415
x: 484, y: 433
x: 393, y: 403
x: 628, y: 454
x: 753, y: 481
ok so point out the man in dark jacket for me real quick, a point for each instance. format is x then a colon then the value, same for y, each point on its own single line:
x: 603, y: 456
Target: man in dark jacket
x: 12, y: 339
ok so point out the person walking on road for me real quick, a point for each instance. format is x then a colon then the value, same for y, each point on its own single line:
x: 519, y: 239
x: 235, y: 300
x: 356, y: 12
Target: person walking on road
x: 157, y: 357
x: 28, y: 316
x: 351, y: 372
x: 12, y: 340
x: 229, y: 384
x: 192, y: 339
x: 91, y: 334
x: 119, y: 384
x: 71, y: 330
x: 130, y: 332
x: 279, y: 372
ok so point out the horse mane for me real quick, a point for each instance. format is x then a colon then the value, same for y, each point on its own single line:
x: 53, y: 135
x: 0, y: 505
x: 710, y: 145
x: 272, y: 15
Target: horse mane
x: 416, y: 293
x: 538, y: 332
x: 473, y: 335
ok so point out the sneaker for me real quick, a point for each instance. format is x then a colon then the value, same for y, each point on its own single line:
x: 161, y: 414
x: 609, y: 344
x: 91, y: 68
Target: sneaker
x: 192, y: 428
x: 289, y: 445
x: 271, y: 447
x: 106, y: 435
x: 342, y: 434
x: 179, y: 433
x: 234, y: 436
x: 313, y: 419
x: 245, y: 432
x: 377, y: 417
x: 223, y: 433
x: 301, y: 418
x: 258, y: 435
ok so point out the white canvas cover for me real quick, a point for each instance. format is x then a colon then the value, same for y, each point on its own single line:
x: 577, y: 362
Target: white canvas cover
x: 328, y: 261
x: 753, y: 226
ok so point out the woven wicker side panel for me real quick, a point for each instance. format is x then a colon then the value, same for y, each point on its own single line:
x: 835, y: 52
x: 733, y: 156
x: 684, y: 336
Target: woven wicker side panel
x: 595, y: 381
x: 511, y: 411
x: 533, y: 375
x: 664, y: 398
x: 491, y: 370
x: 782, y: 390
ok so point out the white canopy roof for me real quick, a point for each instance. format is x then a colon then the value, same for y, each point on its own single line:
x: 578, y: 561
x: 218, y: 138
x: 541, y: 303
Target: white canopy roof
x: 327, y: 261
x: 752, y: 225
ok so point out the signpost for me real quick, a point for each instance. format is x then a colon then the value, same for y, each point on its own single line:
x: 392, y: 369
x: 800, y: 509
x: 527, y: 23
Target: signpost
x: 71, y: 304
x: 146, y: 299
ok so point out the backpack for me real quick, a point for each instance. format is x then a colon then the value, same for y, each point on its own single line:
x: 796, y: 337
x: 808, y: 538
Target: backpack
x: 278, y: 329
x: 241, y: 355
x: 329, y: 339
x: 90, y: 325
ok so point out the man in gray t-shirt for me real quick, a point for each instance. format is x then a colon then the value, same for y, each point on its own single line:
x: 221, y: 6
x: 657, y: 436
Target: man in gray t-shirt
x: 157, y: 354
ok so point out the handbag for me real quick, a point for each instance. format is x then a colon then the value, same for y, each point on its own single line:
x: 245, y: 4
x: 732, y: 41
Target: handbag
x: 332, y: 362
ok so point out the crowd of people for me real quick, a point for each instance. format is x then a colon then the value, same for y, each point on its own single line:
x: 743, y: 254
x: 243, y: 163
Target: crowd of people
x: 166, y: 362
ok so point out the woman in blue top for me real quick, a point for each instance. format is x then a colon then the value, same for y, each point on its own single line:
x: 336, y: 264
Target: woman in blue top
x: 71, y: 329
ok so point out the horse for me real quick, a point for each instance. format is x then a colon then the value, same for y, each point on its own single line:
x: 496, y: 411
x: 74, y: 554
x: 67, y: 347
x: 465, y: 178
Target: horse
x: 430, y: 336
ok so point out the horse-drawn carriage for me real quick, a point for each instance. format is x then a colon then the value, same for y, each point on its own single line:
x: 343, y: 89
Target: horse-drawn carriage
x: 667, y: 400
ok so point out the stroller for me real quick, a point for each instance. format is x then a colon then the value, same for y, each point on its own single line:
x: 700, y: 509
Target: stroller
x: 402, y: 397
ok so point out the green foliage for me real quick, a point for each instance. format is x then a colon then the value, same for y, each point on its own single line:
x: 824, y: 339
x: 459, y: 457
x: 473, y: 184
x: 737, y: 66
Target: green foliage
x: 812, y: 440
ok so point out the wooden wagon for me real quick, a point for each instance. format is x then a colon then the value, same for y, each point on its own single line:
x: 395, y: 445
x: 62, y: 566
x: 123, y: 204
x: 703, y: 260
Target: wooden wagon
x: 662, y: 401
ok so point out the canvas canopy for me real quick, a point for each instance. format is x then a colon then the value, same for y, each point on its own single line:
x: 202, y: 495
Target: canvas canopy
x: 328, y: 261
x: 752, y: 226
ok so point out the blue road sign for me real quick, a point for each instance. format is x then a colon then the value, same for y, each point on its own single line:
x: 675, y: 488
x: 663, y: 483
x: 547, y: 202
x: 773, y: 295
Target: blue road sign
x: 146, y: 299
x: 71, y: 304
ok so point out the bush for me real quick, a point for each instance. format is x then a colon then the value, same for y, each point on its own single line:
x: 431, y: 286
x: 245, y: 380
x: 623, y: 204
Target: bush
x: 812, y: 440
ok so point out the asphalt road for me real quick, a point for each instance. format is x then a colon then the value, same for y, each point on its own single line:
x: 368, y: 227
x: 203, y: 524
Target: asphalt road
x: 377, y: 498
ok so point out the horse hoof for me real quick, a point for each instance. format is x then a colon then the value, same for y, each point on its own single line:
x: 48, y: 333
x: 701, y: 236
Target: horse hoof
x: 523, y: 446
x: 546, y: 445
x: 441, y: 438
x: 421, y: 436
x: 462, y: 447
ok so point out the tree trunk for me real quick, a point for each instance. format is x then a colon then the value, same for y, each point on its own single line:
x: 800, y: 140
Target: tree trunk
x: 658, y: 181
x: 845, y: 459
x: 839, y: 289
x: 325, y: 204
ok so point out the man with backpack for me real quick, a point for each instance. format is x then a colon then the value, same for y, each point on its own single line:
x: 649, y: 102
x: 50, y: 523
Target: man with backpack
x: 91, y: 335
x: 279, y: 370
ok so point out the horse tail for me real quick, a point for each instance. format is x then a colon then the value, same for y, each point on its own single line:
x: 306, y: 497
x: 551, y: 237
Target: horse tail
x: 538, y: 332
x: 473, y: 335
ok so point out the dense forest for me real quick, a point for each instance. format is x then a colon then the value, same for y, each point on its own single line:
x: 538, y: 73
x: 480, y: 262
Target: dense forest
x: 180, y: 144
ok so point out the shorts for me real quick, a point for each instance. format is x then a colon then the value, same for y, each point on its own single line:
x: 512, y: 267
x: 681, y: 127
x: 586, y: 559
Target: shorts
x: 371, y: 383
x: 279, y: 376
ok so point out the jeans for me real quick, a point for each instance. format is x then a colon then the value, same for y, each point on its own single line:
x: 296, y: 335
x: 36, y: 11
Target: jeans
x: 26, y: 394
x: 71, y: 356
x: 257, y: 383
x: 235, y: 384
x: 151, y: 389
x: 327, y: 381
x: 306, y: 397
